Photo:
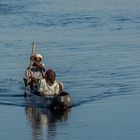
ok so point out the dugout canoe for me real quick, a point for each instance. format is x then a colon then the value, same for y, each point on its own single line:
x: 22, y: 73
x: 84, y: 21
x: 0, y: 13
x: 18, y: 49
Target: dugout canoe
x: 59, y: 103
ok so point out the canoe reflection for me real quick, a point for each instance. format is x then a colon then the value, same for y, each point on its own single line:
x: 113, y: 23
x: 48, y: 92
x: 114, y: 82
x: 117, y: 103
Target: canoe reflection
x: 43, y: 121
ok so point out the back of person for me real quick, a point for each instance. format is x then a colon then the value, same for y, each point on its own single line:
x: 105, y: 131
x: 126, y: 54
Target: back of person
x: 50, y: 86
x: 47, y: 89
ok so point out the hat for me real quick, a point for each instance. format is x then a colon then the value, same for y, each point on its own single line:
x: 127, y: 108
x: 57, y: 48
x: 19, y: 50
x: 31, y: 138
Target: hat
x: 39, y: 56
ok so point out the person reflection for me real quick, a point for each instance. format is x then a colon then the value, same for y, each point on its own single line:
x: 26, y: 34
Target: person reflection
x: 42, y: 119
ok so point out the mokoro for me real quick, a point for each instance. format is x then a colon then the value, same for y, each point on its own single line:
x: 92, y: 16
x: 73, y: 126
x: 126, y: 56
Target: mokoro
x: 60, y: 102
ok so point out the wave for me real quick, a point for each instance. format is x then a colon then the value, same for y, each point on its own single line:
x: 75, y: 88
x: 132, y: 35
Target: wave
x: 20, y: 100
x: 11, y: 8
x: 12, y: 92
x: 12, y: 104
x: 96, y: 98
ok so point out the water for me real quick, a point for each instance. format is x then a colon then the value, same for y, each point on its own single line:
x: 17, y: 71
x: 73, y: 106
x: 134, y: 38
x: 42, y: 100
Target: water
x: 94, y: 48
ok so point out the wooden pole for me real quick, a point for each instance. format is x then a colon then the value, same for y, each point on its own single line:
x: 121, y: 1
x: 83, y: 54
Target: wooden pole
x: 30, y: 66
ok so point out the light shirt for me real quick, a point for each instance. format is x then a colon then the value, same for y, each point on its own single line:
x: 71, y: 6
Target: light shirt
x: 47, y: 89
x: 34, y: 73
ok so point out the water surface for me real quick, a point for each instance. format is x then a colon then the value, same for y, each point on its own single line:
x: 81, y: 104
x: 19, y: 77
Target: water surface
x: 94, y: 48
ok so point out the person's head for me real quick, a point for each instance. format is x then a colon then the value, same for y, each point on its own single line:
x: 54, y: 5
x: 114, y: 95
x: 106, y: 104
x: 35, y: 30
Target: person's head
x: 38, y: 58
x: 50, y: 75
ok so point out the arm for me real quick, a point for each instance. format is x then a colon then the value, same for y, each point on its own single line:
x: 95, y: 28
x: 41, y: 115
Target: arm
x: 58, y: 88
x: 39, y: 65
x: 27, y: 77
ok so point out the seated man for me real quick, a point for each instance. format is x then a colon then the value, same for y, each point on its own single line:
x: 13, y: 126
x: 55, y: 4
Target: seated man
x: 36, y: 72
x: 49, y: 86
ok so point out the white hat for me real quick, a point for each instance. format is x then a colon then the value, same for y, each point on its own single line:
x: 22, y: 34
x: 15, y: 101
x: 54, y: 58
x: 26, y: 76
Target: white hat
x: 39, y: 56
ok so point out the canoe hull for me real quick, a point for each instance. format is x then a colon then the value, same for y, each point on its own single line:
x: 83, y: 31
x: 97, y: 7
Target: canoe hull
x: 61, y: 102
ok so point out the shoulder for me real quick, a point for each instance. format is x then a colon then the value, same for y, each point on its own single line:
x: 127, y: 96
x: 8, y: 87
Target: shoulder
x: 43, y: 82
x: 58, y: 83
x: 61, y: 84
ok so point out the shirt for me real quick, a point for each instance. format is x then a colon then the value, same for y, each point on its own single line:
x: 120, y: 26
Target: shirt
x: 47, y: 89
x: 34, y: 73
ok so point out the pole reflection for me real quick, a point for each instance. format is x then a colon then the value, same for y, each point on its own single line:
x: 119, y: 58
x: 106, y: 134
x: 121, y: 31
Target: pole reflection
x: 43, y: 121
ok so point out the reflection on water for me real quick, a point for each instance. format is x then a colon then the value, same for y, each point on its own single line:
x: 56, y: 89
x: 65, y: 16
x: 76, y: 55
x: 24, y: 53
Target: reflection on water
x: 43, y: 121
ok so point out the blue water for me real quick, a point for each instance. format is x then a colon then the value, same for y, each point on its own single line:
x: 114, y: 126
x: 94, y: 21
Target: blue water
x: 92, y: 45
